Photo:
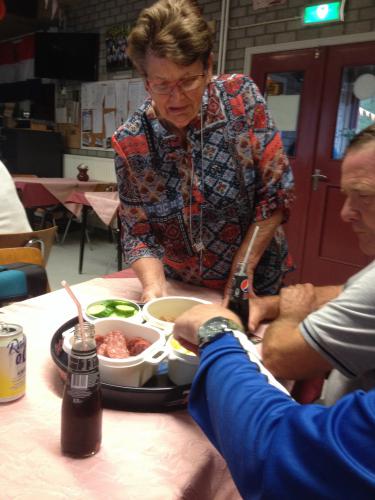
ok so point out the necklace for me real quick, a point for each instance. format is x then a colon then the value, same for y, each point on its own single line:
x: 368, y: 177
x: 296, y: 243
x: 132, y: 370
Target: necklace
x: 197, y: 245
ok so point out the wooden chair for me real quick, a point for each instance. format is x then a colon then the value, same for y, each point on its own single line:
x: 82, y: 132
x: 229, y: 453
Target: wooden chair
x: 42, y: 239
x: 29, y: 255
x: 22, y: 255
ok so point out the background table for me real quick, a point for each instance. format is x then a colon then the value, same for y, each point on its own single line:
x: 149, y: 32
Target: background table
x: 105, y: 205
x: 144, y: 456
x: 46, y: 191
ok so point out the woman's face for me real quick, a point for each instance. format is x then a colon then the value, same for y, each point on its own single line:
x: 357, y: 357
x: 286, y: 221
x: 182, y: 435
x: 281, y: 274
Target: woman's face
x: 176, y: 90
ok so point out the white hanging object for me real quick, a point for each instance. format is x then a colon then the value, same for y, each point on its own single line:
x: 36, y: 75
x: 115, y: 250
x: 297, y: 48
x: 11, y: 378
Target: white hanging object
x: 364, y: 86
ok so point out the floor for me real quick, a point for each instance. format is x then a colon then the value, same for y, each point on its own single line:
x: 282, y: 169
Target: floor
x: 100, y: 258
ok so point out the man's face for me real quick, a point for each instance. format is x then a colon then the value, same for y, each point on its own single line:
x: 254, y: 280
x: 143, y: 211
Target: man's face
x: 358, y: 184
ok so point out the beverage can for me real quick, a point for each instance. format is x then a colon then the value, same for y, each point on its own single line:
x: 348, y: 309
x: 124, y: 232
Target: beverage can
x: 12, y: 362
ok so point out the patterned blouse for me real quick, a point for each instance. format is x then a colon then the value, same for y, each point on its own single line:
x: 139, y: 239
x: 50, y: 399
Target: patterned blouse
x: 191, y: 205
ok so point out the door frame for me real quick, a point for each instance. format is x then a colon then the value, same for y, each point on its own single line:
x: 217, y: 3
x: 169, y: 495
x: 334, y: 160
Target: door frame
x: 305, y: 44
x: 277, y: 60
x: 312, y: 63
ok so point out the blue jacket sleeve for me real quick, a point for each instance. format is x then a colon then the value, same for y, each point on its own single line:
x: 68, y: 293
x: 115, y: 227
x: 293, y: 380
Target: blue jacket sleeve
x: 274, y: 447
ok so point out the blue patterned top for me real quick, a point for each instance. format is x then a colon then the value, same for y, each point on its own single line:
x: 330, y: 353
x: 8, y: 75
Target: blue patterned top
x: 211, y: 189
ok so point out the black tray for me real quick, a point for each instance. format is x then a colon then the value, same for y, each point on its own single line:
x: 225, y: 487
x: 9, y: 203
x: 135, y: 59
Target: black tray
x: 158, y: 394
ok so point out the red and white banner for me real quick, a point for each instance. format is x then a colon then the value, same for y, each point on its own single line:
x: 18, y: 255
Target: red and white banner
x: 17, y: 59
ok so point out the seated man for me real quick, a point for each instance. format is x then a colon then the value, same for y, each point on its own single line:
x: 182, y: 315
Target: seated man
x: 319, y: 328
x: 275, y: 448
x: 13, y: 217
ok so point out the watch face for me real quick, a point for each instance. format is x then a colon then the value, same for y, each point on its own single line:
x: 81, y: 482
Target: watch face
x: 215, y: 327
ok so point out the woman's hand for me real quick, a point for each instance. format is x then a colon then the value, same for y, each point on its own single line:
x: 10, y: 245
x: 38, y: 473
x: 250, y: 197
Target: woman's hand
x: 150, y: 273
x: 153, y: 291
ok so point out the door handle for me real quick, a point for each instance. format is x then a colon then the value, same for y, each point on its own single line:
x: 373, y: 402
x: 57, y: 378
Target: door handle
x: 316, y: 178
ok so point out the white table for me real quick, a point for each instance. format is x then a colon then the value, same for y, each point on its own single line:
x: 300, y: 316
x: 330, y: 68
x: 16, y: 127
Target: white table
x: 144, y: 456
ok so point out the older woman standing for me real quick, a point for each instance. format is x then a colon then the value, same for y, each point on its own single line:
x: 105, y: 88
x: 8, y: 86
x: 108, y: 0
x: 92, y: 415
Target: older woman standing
x: 199, y: 164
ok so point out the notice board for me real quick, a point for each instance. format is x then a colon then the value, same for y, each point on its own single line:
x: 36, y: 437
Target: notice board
x: 105, y: 105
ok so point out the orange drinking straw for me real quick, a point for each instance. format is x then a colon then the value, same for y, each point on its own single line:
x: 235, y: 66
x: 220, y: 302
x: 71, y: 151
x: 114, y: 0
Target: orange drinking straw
x: 80, y: 317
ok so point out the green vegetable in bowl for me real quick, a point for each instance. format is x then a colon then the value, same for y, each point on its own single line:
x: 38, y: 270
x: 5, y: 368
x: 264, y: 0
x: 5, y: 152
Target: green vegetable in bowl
x: 111, y: 308
x: 98, y: 310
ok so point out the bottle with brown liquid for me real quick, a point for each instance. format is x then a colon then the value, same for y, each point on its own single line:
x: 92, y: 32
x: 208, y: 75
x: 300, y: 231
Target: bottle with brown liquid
x: 81, y: 414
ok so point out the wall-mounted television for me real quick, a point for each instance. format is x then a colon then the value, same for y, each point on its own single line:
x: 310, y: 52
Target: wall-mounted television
x: 67, y: 56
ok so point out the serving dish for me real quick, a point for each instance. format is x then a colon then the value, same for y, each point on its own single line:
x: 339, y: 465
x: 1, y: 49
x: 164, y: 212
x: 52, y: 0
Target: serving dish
x: 159, y: 394
x: 163, y: 311
x: 182, y: 363
x: 134, y: 370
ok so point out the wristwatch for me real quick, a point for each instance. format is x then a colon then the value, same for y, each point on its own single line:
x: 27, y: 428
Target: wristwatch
x: 215, y: 328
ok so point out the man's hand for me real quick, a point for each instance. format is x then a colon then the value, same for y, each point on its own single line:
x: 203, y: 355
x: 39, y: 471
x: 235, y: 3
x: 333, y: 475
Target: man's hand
x: 262, y: 309
x: 187, y: 325
x: 297, y: 301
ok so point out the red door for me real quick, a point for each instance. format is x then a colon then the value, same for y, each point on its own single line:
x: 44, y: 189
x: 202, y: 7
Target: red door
x: 325, y: 113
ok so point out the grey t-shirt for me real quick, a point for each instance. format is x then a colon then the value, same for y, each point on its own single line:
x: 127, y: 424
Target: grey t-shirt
x: 343, y: 331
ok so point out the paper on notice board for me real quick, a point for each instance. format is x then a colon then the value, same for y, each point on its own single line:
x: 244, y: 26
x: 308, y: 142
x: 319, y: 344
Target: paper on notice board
x: 121, y: 102
x: 97, y: 120
x: 88, y: 97
x: 86, y: 120
x: 110, y: 96
x: 61, y: 115
x: 99, y: 96
x: 136, y: 95
x: 284, y: 110
x: 109, y: 123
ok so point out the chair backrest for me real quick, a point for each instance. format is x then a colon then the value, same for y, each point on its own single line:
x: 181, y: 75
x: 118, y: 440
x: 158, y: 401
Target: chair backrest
x: 20, y: 282
x: 42, y: 239
x: 29, y: 255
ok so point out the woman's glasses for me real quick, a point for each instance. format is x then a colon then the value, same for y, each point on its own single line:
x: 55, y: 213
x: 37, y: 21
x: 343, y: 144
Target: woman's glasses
x: 185, y: 84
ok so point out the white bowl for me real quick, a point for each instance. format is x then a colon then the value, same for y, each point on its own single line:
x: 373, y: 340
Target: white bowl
x: 135, y: 318
x: 133, y: 371
x: 162, y: 312
x: 182, y: 364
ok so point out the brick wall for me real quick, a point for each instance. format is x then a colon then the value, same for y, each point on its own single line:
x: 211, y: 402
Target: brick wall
x: 247, y: 28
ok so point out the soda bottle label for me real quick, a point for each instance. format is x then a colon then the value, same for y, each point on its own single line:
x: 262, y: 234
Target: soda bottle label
x: 244, y: 285
x: 84, y: 374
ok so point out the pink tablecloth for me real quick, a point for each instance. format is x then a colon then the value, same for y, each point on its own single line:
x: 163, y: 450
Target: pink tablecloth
x: 150, y: 456
x: 103, y: 203
x: 43, y: 191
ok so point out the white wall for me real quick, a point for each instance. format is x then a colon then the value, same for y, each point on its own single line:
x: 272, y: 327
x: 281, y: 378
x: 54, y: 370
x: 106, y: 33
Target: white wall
x: 101, y: 169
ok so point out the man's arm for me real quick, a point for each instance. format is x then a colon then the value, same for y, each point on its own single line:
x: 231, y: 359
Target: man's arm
x: 275, y: 448
x: 288, y: 356
x: 284, y: 350
x: 268, y: 308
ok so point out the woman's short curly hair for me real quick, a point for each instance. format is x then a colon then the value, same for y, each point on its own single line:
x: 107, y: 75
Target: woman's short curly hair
x: 171, y: 29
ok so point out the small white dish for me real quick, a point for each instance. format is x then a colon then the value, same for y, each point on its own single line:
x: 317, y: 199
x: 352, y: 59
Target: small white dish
x: 163, y: 311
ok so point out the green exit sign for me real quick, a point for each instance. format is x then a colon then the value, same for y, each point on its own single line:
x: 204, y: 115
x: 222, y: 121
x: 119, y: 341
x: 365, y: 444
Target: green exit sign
x: 323, y: 13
